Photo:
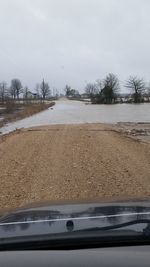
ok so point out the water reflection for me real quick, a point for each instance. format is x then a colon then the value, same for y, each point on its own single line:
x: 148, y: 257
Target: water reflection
x: 44, y: 222
x: 25, y: 219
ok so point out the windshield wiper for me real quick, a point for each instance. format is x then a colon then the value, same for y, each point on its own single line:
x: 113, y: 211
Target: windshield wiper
x: 90, y: 237
x: 118, y: 226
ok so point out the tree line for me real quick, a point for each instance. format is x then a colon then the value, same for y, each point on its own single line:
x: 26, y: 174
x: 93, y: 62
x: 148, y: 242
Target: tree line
x: 106, y: 91
x: 71, y: 92
x: 15, y: 89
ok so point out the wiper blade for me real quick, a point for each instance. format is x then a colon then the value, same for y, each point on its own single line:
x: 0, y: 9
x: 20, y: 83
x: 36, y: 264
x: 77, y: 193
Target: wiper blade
x: 90, y: 237
x: 118, y: 226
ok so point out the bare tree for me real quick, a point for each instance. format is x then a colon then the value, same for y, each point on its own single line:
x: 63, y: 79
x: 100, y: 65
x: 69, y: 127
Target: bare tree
x: 137, y: 86
x: 16, y: 88
x: 37, y: 90
x: 110, y: 88
x: 91, y: 89
x: 55, y: 92
x: 74, y: 93
x: 3, y: 91
x: 148, y: 93
x: 45, y: 89
x: 67, y: 90
x: 25, y: 92
x: 99, y: 85
x: 12, y: 92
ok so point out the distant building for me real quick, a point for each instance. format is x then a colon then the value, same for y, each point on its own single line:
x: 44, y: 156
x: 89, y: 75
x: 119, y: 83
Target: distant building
x: 85, y: 96
x: 31, y: 95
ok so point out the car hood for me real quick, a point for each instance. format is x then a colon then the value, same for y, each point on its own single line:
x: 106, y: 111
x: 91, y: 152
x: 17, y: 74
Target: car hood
x: 71, y: 210
x: 55, y: 219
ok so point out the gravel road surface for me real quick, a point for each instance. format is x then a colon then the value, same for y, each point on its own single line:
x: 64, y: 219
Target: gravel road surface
x: 65, y: 162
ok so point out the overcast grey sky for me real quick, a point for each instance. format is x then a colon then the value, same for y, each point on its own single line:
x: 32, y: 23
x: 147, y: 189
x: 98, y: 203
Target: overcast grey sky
x: 73, y: 41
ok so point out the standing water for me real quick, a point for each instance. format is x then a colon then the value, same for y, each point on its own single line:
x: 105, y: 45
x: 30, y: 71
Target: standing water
x: 76, y: 112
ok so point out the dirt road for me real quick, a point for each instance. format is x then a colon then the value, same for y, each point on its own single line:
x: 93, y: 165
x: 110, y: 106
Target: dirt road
x: 87, y: 161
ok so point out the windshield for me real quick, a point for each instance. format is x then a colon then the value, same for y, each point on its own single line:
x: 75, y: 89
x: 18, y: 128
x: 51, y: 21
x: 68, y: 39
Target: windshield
x: 74, y: 115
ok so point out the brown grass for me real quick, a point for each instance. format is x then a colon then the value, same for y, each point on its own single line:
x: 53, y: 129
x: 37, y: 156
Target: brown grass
x: 15, y: 112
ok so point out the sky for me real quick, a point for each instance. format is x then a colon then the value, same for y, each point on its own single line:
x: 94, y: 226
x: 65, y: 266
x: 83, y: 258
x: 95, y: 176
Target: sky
x: 73, y: 41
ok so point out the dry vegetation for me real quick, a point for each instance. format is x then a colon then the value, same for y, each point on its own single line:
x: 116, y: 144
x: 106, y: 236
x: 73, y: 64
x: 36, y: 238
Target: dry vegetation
x: 15, y: 112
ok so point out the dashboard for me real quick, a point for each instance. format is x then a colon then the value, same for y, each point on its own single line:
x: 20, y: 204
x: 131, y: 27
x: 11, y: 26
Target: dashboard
x: 116, y: 256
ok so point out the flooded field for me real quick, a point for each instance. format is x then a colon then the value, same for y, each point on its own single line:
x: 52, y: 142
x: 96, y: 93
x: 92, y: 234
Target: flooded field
x: 75, y: 112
